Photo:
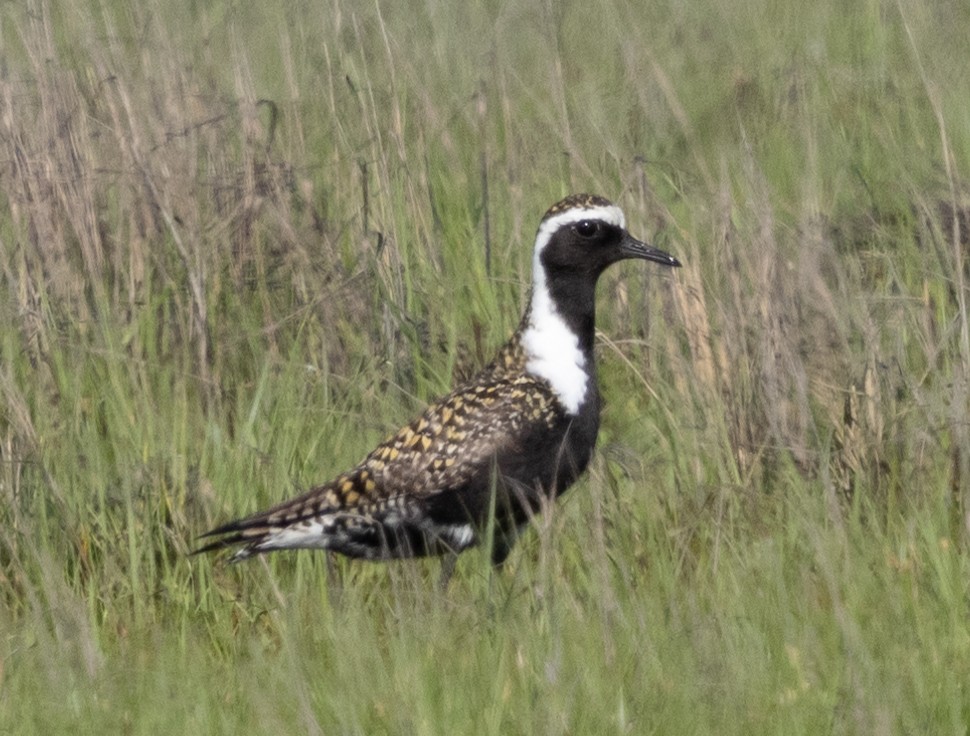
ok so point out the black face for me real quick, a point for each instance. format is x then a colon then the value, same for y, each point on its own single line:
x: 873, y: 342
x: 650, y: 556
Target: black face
x: 589, y: 246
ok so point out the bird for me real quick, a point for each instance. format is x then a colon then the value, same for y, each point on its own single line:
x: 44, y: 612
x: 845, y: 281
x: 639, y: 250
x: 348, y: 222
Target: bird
x: 491, y: 453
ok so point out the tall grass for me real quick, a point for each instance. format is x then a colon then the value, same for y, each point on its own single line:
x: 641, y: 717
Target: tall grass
x: 241, y: 243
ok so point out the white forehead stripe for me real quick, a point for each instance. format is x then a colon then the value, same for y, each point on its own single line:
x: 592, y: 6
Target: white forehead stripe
x: 552, y: 349
x: 606, y: 213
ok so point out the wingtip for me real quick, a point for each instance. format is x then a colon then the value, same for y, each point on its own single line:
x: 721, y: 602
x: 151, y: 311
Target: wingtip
x: 214, y: 545
x: 230, y: 535
x: 243, y: 553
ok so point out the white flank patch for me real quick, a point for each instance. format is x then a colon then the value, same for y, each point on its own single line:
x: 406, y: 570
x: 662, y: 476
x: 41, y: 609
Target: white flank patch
x: 457, y: 536
x: 552, y: 348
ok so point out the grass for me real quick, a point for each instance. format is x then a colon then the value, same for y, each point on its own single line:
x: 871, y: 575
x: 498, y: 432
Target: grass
x: 242, y: 243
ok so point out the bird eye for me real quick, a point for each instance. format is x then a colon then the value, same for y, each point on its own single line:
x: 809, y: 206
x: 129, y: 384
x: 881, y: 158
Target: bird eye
x: 587, y: 228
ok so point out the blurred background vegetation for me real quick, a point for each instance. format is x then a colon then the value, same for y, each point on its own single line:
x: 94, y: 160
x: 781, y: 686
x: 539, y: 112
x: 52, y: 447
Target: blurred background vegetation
x: 242, y: 242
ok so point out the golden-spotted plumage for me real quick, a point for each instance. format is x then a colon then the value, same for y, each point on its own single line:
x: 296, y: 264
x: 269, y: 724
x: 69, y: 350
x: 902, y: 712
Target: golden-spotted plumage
x: 445, y: 448
x: 521, y: 430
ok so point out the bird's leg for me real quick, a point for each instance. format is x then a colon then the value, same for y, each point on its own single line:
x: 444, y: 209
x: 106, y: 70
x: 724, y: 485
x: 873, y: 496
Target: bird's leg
x: 503, y: 541
x: 334, y: 581
x: 448, y: 561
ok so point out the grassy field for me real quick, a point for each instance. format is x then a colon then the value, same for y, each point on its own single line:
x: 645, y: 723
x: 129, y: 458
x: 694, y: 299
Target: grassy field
x: 241, y: 242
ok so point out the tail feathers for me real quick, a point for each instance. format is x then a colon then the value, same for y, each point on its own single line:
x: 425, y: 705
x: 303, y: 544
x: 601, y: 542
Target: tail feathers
x: 296, y: 522
x: 387, y: 537
x: 350, y: 533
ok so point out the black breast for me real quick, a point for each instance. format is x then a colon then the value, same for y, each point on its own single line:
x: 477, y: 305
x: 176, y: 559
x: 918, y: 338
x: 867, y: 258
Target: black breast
x: 543, y: 464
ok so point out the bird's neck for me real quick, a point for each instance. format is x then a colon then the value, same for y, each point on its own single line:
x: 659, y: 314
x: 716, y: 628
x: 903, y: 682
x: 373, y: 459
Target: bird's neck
x: 556, y: 336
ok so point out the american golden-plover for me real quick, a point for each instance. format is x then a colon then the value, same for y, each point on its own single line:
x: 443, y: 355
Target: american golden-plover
x: 520, y: 432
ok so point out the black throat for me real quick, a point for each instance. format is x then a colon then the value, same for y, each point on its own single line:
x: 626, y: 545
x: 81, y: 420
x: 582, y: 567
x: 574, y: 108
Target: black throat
x: 574, y: 297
